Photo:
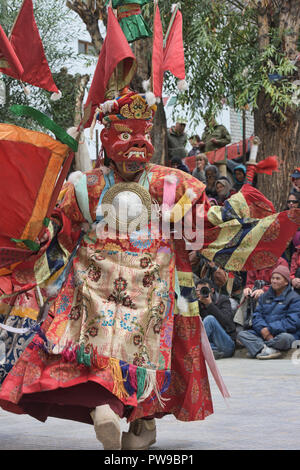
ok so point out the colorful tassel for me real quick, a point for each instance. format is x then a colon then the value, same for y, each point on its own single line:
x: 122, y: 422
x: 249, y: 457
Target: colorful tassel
x: 133, y: 376
x: 116, y: 372
x: 127, y: 378
x: 167, y: 381
x: 82, y: 357
x: 140, y: 377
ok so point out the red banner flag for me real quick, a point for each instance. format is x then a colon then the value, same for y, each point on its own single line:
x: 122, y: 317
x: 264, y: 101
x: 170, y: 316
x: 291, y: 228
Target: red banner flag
x: 26, y: 42
x: 173, y: 50
x: 157, y: 55
x: 169, y: 57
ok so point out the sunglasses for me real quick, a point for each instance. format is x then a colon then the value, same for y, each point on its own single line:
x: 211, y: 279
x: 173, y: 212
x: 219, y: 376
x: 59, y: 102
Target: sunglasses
x: 291, y: 201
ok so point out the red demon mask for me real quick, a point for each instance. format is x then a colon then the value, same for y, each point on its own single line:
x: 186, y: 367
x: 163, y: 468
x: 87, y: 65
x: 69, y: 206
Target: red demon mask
x: 128, y: 123
x: 128, y: 140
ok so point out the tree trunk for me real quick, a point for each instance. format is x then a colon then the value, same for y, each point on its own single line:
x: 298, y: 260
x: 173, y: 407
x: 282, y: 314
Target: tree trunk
x: 81, y: 84
x: 281, y: 139
x: 142, y: 50
x: 90, y: 11
x: 159, y: 136
x: 277, y: 137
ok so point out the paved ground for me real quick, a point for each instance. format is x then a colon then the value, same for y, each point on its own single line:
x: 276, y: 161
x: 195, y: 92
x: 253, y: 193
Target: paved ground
x: 263, y: 413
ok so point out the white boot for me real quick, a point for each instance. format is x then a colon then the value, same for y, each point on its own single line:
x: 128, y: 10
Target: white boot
x: 107, y: 427
x: 141, y: 435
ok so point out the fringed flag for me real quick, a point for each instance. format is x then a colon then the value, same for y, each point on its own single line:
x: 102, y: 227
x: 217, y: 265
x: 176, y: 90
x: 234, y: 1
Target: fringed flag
x: 246, y: 233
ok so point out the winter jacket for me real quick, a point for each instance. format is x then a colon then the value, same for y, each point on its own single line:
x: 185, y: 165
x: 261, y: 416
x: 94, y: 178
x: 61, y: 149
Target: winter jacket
x: 280, y: 314
x: 218, y: 132
x: 176, y: 144
x: 221, y: 309
x: 264, y: 274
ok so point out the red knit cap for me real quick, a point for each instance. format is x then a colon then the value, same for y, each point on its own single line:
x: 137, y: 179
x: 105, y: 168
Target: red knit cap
x: 284, y: 271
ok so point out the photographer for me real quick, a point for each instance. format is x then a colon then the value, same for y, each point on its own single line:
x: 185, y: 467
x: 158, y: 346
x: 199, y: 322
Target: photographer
x: 216, y: 313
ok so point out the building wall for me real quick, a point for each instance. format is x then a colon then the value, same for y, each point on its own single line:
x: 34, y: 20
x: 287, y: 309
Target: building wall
x: 236, y: 125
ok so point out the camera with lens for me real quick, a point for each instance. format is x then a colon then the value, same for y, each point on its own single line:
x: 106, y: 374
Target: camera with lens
x: 259, y: 284
x: 205, y: 292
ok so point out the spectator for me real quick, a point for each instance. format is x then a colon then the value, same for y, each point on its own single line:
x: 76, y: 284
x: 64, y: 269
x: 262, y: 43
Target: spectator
x: 296, y: 181
x: 295, y: 270
x: 204, y: 268
x: 214, y: 136
x: 239, y: 176
x: 257, y: 283
x: 176, y: 162
x: 293, y: 202
x: 211, y: 177
x: 194, y: 141
x: 177, y: 140
x: 236, y: 292
x: 276, y: 320
x: 212, y: 201
x: 216, y: 312
x: 224, y: 190
x: 261, y: 275
x: 201, y: 165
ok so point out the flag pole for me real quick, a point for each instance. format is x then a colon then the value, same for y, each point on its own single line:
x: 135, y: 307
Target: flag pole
x: 170, y: 24
x: 154, y: 13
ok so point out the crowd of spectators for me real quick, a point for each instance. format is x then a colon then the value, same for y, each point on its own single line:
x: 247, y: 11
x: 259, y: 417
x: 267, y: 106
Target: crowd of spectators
x: 258, y: 311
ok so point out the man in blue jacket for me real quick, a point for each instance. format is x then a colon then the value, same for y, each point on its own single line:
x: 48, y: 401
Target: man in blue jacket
x: 276, y: 320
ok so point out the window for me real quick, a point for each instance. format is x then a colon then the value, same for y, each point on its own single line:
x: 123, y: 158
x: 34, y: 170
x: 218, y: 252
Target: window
x: 85, y: 47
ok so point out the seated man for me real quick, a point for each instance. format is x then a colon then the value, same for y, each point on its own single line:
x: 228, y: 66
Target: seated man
x: 215, y: 310
x: 261, y: 275
x: 257, y: 283
x: 276, y: 320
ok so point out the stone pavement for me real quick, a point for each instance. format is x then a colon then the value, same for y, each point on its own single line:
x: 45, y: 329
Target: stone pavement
x: 263, y: 413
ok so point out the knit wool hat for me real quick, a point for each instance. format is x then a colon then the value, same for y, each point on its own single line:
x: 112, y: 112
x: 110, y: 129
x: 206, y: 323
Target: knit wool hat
x: 284, y: 271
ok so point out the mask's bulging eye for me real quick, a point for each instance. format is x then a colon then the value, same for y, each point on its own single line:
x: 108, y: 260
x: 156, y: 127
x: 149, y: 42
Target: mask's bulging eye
x: 148, y: 137
x: 125, y: 136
